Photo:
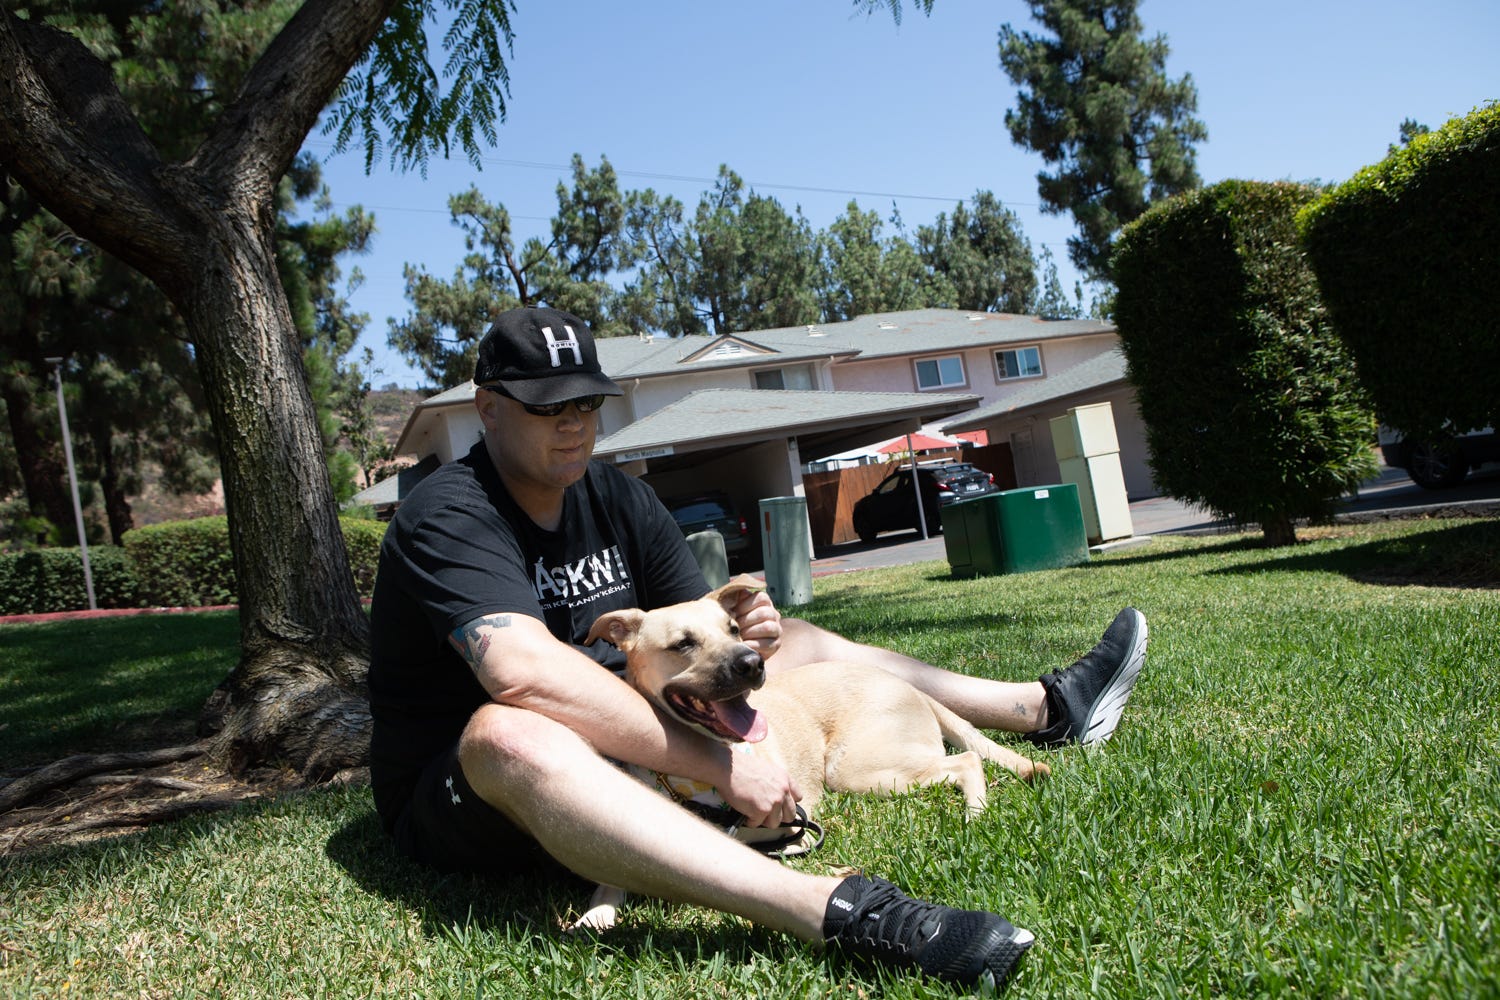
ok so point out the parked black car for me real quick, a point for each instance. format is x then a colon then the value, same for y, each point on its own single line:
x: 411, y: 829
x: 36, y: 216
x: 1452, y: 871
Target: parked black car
x: 892, y: 506
x: 1443, y: 462
x: 711, y: 511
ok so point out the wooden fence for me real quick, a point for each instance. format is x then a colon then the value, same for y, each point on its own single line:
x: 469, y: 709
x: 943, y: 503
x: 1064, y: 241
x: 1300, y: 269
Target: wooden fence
x: 831, y: 495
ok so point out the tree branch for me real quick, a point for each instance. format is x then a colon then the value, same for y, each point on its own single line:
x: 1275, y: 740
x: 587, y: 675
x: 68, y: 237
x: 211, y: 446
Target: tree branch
x: 259, y: 134
x: 67, y: 134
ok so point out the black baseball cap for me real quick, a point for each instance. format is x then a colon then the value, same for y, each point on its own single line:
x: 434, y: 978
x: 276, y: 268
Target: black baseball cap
x: 542, y: 356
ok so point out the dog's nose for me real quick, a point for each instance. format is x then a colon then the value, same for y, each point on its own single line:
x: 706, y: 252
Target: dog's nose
x: 748, y: 664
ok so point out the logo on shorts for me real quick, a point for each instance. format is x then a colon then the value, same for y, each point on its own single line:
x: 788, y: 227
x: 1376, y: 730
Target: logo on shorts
x: 449, y: 783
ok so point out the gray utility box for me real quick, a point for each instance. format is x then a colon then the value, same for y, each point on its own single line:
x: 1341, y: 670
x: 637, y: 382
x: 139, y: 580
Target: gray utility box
x: 786, y: 543
x: 708, y: 549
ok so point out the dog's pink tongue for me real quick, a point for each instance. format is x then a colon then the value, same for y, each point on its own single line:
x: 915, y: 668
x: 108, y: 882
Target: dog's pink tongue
x: 742, y: 720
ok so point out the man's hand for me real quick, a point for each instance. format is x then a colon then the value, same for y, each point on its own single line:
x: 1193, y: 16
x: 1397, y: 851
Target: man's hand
x: 760, y: 789
x: 759, y: 622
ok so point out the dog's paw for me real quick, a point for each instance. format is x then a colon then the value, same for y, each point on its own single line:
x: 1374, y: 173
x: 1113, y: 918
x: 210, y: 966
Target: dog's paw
x: 597, y: 920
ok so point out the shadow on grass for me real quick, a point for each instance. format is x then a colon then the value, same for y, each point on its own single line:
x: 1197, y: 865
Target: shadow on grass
x: 1464, y: 555
x: 531, y: 904
x: 109, y: 684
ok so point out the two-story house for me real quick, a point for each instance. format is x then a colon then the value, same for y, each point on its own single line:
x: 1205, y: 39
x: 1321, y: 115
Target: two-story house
x: 746, y: 412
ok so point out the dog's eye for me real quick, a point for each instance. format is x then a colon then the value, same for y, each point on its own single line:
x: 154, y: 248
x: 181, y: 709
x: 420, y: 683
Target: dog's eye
x: 734, y: 630
x: 684, y: 645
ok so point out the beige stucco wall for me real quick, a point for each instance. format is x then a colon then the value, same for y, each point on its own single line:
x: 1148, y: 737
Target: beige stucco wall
x: 1042, y: 466
x: 899, y: 374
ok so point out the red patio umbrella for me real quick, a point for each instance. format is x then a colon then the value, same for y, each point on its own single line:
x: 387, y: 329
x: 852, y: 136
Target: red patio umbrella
x: 919, y: 442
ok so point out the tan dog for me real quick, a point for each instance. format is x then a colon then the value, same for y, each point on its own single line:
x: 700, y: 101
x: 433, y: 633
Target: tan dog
x: 835, y: 724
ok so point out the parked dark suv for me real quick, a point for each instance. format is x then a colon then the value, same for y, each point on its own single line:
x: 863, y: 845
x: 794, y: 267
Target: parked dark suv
x: 1441, y: 463
x: 711, y: 511
x: 892, y: 506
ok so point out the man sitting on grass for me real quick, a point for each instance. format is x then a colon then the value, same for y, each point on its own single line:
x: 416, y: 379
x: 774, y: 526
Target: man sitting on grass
x: 495, y: 727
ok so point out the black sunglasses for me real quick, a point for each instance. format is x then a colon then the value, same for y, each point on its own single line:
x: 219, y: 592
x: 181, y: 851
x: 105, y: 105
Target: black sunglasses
x: 585, y: 404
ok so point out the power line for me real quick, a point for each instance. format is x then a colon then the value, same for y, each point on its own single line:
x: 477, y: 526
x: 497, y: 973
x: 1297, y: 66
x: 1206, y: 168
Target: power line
x: 710, y: 181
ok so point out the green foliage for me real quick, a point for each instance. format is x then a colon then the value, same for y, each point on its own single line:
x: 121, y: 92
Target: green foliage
x: 982, y: 256
x: 756, y: 264
x: 1407, y: 253
x: 184, y: 563
x: 40, y: 581
x: 1096, y: 101
x: 189, y: 564
x: 739, y: 262
x: 362, y: 537
x: 1245, y: 389
x: 394, y: 96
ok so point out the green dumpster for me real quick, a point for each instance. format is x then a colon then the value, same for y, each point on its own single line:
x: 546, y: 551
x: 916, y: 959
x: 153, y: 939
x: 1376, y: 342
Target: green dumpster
x: 1015, y: 531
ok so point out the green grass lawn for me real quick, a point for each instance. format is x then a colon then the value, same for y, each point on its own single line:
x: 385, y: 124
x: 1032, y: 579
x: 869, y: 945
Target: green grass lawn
x: 1303, y: 799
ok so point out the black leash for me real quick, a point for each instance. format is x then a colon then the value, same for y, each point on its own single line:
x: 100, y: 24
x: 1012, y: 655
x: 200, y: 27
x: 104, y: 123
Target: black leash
x: 731, y: 820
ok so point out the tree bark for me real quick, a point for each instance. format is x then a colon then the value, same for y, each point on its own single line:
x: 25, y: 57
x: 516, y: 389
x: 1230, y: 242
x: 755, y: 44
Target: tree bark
x: 39, y: 457
x: 202, y: 230
x: 1278, y: 530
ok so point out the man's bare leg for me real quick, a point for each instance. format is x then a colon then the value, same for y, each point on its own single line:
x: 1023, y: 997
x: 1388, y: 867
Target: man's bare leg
x: 606, y: 826
x: 1081, y: 703
x: 1016, y: 707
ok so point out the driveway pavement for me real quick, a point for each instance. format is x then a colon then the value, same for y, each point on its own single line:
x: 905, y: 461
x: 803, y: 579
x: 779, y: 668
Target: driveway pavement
x: 1391, y: 494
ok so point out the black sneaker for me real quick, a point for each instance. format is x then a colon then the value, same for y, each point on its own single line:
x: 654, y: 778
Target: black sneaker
x: 1084, y: 701
x: 872, y: 918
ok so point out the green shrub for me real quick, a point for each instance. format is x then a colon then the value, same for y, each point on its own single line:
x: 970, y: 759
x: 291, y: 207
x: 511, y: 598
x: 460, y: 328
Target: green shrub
x: 363, y: 536
x: 1248, y: 397
x: 184, y: 563
x: 41, y: 581
x: 1407, y: 253
x: 189, y: 563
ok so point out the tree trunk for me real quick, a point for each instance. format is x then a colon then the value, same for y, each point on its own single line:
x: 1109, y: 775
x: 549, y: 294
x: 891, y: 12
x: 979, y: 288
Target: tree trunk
x: 1278, y: 530
x: 298, y: 693
x: 202, y: 230
x: 39, y: 456
x: 116, y: 504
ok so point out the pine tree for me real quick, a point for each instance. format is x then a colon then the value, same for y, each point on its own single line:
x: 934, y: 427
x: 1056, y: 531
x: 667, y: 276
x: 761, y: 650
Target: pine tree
x: 1096, y: 102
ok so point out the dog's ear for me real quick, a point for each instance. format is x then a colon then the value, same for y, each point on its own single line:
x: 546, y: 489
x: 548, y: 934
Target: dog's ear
x: 618, y: 627
x: 729, y: 595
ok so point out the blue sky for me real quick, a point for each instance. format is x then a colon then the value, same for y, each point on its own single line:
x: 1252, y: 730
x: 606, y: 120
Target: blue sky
x: 816, y: 106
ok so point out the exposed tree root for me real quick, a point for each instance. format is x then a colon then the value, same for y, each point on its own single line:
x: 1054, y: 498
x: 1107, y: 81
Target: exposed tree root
x: 86, y: 797
x: 59, y: 774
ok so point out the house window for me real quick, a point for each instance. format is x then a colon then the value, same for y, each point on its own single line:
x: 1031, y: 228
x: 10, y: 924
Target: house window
x: 940, y: 373
x: 797, y: 377
x: 1023, y: 362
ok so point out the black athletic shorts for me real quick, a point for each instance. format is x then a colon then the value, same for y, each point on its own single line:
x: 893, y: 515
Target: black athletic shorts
x: 446, y: 826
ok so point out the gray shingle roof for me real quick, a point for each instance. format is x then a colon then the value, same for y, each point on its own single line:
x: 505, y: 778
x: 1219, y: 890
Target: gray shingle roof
x: 723, y: 414
x: 875, y: 336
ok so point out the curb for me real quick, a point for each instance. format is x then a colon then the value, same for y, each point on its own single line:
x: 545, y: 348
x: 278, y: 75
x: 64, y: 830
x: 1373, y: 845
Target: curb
x: 58, y: 616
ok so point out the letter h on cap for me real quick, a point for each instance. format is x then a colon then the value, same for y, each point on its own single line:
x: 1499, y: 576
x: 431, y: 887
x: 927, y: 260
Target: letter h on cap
x: 556, y: 347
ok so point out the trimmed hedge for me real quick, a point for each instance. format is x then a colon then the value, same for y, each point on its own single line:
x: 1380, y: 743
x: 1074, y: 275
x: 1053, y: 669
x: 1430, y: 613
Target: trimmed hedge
x: 189, y: 563
x: 44, y: 580
x: 177, y: 564
x: 184, y: 563
x: 1407, y: 254
x: 1249, y: 398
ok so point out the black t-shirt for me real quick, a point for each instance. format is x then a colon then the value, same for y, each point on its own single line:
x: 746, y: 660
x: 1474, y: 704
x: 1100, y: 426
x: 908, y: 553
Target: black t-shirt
x: 460, y: 548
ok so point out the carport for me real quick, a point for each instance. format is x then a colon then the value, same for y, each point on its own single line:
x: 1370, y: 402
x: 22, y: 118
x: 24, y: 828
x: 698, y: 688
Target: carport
x: 753, y: 443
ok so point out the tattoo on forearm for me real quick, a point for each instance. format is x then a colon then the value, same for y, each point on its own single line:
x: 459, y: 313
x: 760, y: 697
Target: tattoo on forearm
x: 471, y: 643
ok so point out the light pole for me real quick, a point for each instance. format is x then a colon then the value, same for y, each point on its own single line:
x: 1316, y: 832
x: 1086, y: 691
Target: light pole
x: 83, y: 542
